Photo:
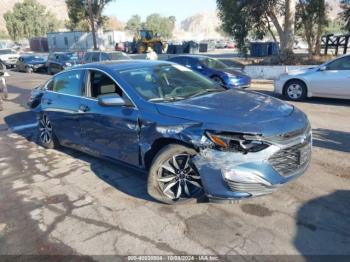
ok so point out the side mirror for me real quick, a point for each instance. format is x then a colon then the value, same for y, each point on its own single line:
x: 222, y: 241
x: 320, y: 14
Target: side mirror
x: 323, y: 68
x: 111, y: 100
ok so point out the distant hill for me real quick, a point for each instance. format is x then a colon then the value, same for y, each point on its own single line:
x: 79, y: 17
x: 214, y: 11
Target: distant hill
x: 56, y: 7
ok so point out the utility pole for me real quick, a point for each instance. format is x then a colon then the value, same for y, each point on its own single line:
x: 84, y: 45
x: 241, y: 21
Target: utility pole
x: 92, y: 22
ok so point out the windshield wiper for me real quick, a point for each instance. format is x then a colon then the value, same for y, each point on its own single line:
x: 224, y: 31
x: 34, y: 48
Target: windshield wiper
x: 206, y: 91
x: 166, y: 99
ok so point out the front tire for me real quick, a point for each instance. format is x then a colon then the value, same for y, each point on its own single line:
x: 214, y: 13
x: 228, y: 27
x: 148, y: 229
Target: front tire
x: 218, y: 80
x: 295, y: 90
x: 173, y: 178
x: 46, y: 135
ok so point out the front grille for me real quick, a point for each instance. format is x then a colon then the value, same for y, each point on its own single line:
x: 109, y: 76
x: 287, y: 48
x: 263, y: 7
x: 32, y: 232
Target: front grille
x: 251, y: 188
x: 291, y: 160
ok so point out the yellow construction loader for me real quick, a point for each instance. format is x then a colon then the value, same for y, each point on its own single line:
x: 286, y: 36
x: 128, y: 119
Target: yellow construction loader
x: 146, y: 38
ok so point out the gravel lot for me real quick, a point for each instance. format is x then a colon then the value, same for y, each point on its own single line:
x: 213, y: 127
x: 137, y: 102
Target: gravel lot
x: 65, y: 202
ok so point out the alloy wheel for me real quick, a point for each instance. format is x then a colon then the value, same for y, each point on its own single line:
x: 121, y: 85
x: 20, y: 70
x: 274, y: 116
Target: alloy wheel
x: 45, y: 129
x: 178, y: 178
x: 294, y: 91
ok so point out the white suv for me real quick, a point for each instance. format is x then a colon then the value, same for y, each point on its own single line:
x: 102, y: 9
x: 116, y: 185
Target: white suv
x: 9, y: 57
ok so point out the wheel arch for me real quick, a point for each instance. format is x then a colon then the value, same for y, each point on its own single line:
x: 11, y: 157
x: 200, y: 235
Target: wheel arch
x: 158, y: 145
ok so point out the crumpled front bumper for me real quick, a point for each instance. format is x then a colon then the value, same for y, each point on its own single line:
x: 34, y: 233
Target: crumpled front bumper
x: 233, y: 175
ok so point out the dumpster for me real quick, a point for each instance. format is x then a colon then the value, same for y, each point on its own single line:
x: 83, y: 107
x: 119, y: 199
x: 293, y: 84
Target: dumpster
x: 259, y: 49
x: 203, y: 47
x: 274, y: 48
x: 190, y: 47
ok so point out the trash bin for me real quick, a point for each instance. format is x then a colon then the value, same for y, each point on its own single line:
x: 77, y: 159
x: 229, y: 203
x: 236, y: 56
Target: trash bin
x: 158, y: 48
x: 259, y: 49
x: 178, y: 49
x: 171, y: 49
x: 203, y: 47
x: 274, y: 48
x: 190, y: 47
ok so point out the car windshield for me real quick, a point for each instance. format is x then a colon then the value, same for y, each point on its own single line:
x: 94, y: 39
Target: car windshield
x: 212, y: 63
x: 118, y: 56
x: 7, y: 52
x: 34, y: 59
x: 69, y: 57
x: 166, y: 82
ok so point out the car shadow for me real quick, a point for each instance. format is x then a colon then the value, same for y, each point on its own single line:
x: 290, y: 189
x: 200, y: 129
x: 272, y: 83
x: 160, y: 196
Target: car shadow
x: 120, y: 176
x: 331, y: 139
x: 323, y: 228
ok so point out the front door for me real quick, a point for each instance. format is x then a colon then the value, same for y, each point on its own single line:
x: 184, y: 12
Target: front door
x: 334, y: 81
x: 109, y: 131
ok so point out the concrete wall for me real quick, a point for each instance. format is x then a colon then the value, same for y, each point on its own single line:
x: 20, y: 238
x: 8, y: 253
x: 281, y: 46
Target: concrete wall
x: 270, y: 72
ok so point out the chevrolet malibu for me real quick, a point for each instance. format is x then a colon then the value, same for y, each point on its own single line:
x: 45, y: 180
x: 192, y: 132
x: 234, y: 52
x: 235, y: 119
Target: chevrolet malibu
x: 194, y: 137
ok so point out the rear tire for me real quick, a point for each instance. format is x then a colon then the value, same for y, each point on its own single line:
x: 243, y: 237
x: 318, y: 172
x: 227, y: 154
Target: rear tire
x: 173, y: 178
x: 295, y: 90
x: 46, y: 135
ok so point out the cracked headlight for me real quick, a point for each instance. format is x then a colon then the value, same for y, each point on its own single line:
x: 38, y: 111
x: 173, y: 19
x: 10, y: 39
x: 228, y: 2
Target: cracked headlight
x: 237, y: 142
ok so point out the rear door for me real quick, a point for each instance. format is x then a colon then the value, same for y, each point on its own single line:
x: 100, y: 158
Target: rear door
x: 61, y: 103
x: 109, y: 131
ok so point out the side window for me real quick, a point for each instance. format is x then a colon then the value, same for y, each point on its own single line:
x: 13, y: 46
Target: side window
x: 105, y: 57
x: 95, y: 57
x: 69, y: 83
x: 101, y: 84
x: 87, y: 58
x: 340, y: 64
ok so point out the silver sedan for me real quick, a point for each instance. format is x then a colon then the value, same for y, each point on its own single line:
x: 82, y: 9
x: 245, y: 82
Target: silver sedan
x: 331, y: 79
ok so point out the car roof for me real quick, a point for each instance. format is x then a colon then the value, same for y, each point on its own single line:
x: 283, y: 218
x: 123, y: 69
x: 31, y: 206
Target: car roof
x: 123, y: 64
x: 193, y: 56
x: 109, y: 52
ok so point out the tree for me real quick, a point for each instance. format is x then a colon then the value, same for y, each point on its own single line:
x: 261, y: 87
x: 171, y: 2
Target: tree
x: 29, y: 19
x: 114, y: 24
x: 312, y: 19
x: 239, y: 17
x: 162, y: 25
x: 134, y: 24
x: 87, y: 15
x: 345, y: 15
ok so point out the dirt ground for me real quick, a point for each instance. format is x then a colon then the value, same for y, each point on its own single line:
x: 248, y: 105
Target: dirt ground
x: 65, y: 202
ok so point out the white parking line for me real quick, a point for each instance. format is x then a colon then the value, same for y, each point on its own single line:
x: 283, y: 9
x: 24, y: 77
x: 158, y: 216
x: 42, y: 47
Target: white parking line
x: 23, y: 127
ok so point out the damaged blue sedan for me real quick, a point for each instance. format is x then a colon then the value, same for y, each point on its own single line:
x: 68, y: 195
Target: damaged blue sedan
x: 194, y: 137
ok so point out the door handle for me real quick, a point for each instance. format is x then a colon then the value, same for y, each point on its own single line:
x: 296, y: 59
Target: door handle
x: 83, y: 108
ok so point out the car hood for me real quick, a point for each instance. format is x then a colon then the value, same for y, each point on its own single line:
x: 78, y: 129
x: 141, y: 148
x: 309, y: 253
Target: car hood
x: 36, y: 62
x: 8, y: 56
x: 236, y: 111
x: 233, y: 71
x: 301, y: 71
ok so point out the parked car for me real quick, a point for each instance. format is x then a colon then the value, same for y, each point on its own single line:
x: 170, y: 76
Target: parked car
x: 31, y: 63
x: 193, y: 136
x: 98, y: 56
x: 230, y: 45
x: 214, y: 69
x: 331, y: 79
x: 221, y: 44
x: 9, y: 57
x: 60, y: 61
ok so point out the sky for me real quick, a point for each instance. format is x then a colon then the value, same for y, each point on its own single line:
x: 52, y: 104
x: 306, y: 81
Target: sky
x: 181, y: 9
